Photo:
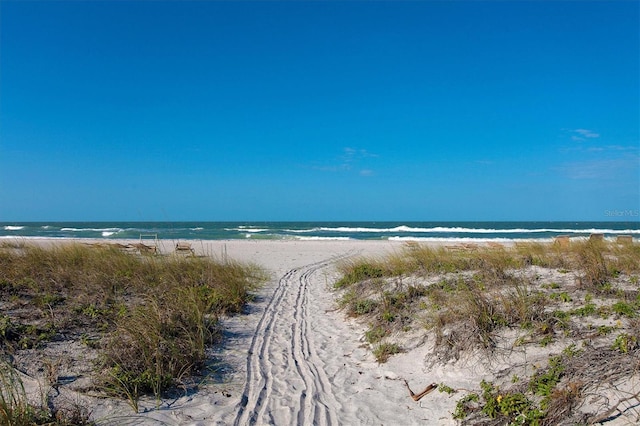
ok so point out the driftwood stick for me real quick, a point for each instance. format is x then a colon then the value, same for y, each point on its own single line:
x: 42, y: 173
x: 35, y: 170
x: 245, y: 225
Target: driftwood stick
x: 605, y: 416
x: 418, y: 396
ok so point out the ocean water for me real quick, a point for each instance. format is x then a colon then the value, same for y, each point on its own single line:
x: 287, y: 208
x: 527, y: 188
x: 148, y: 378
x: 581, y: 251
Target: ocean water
x: 410, y: 231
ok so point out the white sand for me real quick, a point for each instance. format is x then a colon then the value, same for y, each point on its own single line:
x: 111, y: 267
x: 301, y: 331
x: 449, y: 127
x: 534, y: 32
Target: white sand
x: 294, y: 359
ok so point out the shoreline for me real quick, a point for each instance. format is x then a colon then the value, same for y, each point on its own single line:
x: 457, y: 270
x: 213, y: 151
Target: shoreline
x: 424, y: 231
x: 165, y: 243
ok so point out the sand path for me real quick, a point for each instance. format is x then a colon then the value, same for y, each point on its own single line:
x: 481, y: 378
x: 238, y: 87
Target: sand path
x: 285, y: 373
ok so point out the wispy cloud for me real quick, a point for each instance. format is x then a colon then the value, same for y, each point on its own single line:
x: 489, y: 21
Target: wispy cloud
x: 590, y: 142
x: 579, y: 135
x: 601, y: 168
x: 349, y: 159
x: 612, y: 148
x: 352, y: 155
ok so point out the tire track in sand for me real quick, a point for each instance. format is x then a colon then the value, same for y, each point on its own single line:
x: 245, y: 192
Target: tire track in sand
x: 284, y: 372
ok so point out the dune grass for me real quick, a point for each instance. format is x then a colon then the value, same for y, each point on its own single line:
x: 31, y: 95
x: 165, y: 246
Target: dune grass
x: 16, y: 409
x: 151, y: 317
x: 477, y: 291
x: 466, y: 299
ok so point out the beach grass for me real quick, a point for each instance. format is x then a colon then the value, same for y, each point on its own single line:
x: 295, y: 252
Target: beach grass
x: 482, y: 299
x: 150, y: 317
x: 17, y: 409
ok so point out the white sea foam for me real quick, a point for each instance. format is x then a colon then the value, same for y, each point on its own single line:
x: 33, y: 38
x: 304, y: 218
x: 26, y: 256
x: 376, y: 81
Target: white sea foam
x: 13, y: 228
x: 462, y: 230
x: 322, y: 238
x: 34, y: 238
x: 467, y: 239
x: 247, y: 229
x: 528, y: 231
x: 197, y: 229
x: 113, y: 230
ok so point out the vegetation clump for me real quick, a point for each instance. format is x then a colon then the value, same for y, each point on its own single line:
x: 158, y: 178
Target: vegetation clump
x: 150, y: 317
x: 509, y: 407
x: 359, y: 271
x: 483, y: 299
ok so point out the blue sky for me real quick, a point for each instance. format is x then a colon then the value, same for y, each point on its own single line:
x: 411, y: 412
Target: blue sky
x: 357, y: 110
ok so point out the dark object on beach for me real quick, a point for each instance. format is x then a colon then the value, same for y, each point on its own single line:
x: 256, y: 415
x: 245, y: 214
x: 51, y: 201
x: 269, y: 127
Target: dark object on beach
x: 562, y: 240
x: 418, y: 396
x: 143, y: 248
x: 624, y: 239
x: 184, y: 247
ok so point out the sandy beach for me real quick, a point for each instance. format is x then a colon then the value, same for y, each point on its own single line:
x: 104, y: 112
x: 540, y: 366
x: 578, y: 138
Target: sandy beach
x: 294, y: 358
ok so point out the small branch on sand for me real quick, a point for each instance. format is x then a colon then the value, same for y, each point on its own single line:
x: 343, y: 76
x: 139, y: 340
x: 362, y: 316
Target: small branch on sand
x: 417, y: 397
x: 609, y: 414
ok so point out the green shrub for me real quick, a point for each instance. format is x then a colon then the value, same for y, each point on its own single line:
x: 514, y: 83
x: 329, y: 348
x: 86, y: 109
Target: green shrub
x: 624, y: 309
x: 544, y: 381
x: 563, y: 296
x: 511, y: 407
x: 375, y: 334
x: 363, y: 306
x: 625, y: 343
x: 463, y: 406
x: 382, y: 351
x: 583, y: 311
x: 603, y: 330
x: 388, y: 316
